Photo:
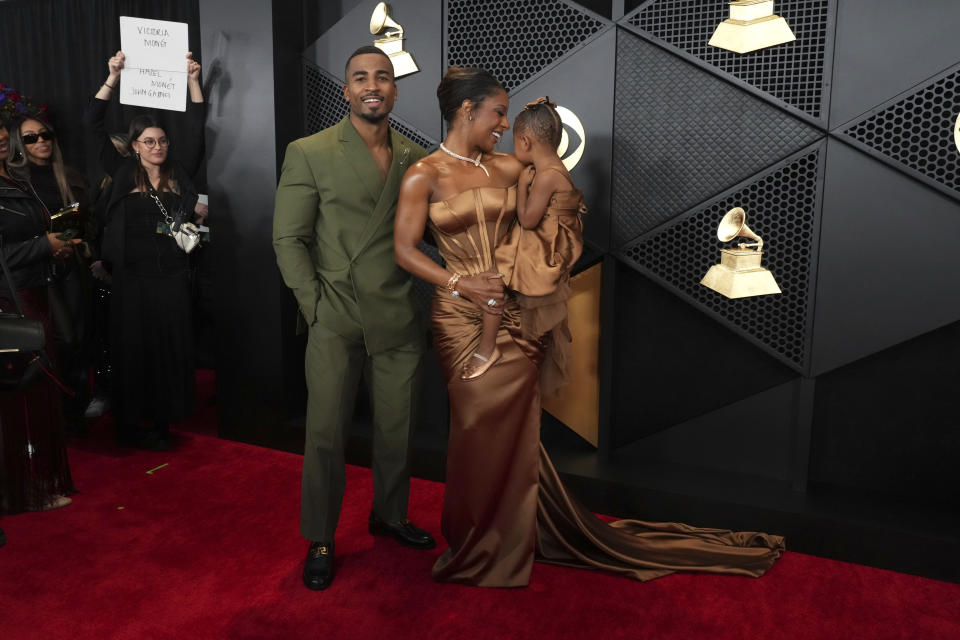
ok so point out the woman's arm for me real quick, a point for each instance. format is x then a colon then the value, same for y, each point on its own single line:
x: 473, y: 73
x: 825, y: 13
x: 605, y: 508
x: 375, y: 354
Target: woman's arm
x: 114, y: 65
x: 39, y: 248
x: 190, y: 151
x: 93, y: 116
x: 408, y: 227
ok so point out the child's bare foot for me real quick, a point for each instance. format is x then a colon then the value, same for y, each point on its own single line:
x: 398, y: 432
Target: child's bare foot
x: 56, y: 502
x: 478, y: 364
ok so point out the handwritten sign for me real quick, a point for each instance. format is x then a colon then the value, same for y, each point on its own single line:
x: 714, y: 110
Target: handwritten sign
x: 155, y: 70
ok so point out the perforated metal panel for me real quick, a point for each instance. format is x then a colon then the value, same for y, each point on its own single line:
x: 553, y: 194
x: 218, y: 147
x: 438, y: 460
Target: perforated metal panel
x: 514, y: 40
x: 326, y: 107
x: 683, y: 135
x: 323, y: 95
x: 792, y: 72
x: 782, y: 208
x: 917, y: 131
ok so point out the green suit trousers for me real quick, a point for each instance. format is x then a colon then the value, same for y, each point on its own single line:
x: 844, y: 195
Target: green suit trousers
x: 334, y: 368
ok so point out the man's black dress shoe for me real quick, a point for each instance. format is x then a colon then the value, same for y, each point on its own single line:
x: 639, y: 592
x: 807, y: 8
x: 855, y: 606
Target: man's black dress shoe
x: 404, y: 532
x: 318, y: 570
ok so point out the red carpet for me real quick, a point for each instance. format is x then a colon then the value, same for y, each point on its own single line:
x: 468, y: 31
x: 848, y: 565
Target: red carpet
x: 208, y: 547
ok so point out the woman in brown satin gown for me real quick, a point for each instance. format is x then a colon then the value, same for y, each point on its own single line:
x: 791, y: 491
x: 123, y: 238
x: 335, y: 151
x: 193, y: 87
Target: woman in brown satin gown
x: 504, y: 503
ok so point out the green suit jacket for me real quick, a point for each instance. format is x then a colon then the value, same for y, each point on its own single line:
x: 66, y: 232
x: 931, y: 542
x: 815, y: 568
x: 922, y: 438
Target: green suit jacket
x: 333, y: 236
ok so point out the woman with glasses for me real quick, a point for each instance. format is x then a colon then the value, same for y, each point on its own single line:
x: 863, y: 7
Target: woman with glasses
x: 36, y: 158
x: 34, y: 472
x: 150, y: 195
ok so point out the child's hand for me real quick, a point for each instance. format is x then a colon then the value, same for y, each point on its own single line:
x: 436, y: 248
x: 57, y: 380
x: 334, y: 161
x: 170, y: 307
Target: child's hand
x: 526, y: 176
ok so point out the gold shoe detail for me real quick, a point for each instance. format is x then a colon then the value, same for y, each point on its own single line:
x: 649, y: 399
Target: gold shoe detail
x: 472, y: 370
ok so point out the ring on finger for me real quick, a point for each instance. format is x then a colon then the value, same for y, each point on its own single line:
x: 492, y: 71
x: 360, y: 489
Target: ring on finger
x: 491, y: 302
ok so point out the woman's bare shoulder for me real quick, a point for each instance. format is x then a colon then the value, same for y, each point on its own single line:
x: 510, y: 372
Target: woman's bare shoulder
x: 506, y: 163
x: 424, y: 170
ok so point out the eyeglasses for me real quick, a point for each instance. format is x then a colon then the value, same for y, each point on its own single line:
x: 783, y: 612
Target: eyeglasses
x: 32, y: 138
x: 150, y: 143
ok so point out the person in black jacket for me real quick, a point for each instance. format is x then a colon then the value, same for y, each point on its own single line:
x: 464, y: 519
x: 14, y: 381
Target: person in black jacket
x: 35, y: 472
x: 36, y: 158
x: 150, y: 193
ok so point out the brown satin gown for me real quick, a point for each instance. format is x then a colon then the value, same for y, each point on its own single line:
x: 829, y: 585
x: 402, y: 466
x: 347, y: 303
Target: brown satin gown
x: 504, y: 503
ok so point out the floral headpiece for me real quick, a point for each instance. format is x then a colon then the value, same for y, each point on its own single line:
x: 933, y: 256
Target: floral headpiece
x: 13, y: 106
x: 541, y: 101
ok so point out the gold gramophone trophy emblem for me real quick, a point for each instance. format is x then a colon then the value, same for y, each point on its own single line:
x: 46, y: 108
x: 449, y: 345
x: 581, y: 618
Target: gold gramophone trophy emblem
x: 739, y: 274
x: 752, y: 25
x: 392, y: 41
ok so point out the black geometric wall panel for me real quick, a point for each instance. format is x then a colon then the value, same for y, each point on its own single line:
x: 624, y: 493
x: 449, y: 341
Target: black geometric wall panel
x: 885, y: 47
x: 683, y: 135
x: 675, y: 364
x: 915, y: 131
x: 875, y: 288
x: 792, y: 72
x: 781, y: 207
x: 323, y: 95
x: 722, y: 439
x: 514, y: 40
x: 325, y: 106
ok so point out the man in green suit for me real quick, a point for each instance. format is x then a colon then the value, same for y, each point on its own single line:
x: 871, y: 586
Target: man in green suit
x: 333, y: 235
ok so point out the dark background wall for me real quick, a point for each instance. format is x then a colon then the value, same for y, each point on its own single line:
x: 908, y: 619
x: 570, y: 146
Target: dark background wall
x: 828, y: 413
x: 823, y: 412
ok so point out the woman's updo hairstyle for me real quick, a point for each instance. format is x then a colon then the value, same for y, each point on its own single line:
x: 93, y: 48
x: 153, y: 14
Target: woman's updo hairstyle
x: 541, y: 120
x: 465, y: 83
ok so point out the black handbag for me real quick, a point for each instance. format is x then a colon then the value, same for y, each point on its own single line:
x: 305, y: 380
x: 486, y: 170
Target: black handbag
x: 21, y: 342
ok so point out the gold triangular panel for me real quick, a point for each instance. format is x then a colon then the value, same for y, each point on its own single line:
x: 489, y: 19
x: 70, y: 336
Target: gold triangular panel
x: 578, y: 404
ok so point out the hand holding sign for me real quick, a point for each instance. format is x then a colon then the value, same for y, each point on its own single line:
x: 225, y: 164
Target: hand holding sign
x: 151, y: 63
x: 115, y: 64
x: 193, y: 67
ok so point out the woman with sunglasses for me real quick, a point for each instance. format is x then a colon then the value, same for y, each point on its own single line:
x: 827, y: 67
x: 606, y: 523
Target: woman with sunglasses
x: 34, y: 472
x: 35, y: 155
x: 37, y: 159
x: 150, y: 194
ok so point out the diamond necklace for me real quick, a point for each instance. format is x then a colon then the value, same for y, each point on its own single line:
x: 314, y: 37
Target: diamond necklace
x: 475, y: 163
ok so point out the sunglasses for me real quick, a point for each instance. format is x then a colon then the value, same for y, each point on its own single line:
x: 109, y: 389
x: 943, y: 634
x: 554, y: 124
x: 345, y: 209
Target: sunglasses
x: 32, y: 138
x: 150, y: 143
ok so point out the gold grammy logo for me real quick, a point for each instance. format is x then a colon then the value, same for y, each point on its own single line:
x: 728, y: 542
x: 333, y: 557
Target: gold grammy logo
x: 956, y: 133
x: 752, y: 25
x: 392, y: 41
x: 572, y: 122
x: 739, y: 274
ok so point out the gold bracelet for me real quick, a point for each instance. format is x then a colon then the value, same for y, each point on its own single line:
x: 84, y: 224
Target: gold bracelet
x: 452, y: 282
